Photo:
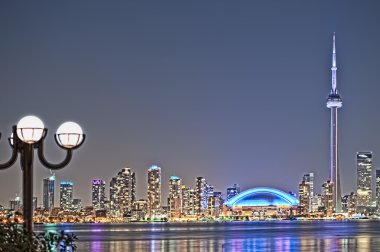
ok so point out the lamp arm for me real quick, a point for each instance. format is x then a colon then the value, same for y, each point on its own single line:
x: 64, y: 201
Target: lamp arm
x: 13, y: 158
x: 47, y: 164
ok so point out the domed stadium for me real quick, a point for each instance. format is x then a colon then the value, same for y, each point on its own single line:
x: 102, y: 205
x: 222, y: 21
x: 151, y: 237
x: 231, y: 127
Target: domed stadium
x: 262, y: 197
x: 259, y: 202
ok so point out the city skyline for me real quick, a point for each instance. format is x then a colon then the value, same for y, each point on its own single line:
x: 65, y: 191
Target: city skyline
x: 234, y: 95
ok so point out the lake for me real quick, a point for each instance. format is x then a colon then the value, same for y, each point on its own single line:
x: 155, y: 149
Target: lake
x: 360, y: 235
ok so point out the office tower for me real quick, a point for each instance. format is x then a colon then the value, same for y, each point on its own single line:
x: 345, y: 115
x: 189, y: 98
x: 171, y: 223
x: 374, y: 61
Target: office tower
x: 378, y: 189
x: 364, y: 178
x: 328, y: 197
x: 306, y: 192
x: 48, y: 192
x: 154, y: 191
x: 349, y: 203
x: 215, y: 204
x: 122, y: 193
x: 304, y: 196
x: 98, y: 193
x: 175, y: 197
x: 334, y: 101
x: 201, y: 196
x: 232, y: 191
x: 188, y: 201
x: 66, y: 195
x: 15, y: 204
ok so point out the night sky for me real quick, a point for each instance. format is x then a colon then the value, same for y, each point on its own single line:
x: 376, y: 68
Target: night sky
x: 234, y: 91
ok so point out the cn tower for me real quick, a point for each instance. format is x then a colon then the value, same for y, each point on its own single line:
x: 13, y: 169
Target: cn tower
x: 334, y: 101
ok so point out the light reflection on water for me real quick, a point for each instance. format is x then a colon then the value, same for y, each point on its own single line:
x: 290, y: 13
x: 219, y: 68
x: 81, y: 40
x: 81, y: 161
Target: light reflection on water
x: 238, y: 236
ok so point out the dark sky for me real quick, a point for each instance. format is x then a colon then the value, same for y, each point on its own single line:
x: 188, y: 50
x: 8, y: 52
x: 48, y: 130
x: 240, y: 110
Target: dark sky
x: 234, y: 91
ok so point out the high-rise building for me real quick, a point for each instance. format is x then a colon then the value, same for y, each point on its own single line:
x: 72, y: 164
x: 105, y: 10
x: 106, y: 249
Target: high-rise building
x: 122, y: 193
x: 66, y: 195
x: 378, y: 189
x: 98, y: 193
x: 306, y: 192
x: 364, y: 179
x: 202, y: 192
x: 188, y: 201
x: 232, y: 191
x: 349, y: 203
x: 15, y: 204
x: 328, y: 197
x: 215, y: 204
x: 154, y: 191
x: 304, y: 196
x: 334, y: 101
x: 48, y: 192
x: 175, y: 197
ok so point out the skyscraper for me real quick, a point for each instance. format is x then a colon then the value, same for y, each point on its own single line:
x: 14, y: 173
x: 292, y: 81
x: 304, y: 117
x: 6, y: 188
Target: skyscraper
x: 232, y: 191
x: 66, y: 194
x: 154, y: 191
x: 175, y: 197
x: 48, y: 192
x: 15, y: 204
x: 378, y: 189
x: 122, y: 193
x: 306, y: 192
x: 364, y: 179
x: 334, y: 101
x: 214, y: 204
x: 328, y: 197
x: 188, y: 201
x: 98, y: 193
x: 201, y: 190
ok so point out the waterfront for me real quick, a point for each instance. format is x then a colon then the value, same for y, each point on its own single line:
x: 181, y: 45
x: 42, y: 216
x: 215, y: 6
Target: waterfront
x: 361, y: 235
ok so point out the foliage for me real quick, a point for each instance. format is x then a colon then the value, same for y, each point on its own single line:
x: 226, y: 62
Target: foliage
x: 13, y: 237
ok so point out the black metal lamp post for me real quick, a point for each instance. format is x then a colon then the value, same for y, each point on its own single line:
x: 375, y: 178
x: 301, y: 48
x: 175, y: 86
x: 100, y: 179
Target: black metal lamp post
x: 29, y: 134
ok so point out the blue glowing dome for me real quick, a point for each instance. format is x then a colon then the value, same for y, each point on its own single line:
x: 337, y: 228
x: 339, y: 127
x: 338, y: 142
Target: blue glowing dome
x: 262, y: 196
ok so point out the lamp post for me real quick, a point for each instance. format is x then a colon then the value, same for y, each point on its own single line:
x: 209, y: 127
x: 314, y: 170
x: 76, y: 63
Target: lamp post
x: 29, y: 134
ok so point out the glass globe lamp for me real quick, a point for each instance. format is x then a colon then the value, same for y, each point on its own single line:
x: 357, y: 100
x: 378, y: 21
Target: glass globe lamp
x: 30, y: 129
x: 69, y: 135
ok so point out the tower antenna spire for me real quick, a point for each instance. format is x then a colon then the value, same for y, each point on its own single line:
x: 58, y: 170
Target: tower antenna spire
x: 333, y: 68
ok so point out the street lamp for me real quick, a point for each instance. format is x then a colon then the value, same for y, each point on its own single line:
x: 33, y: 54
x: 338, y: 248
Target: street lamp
x: 29, y: 134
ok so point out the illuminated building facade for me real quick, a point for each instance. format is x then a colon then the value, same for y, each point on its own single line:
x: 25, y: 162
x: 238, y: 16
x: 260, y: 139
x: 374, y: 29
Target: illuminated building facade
x: 328, y: 197
x: 364, y: 178
x: 306, y: 192
x: 154, y: 191
x: 48, y: 192
x: 215, y: 204
x: 232, y: 191
x: 122, y: 193
x: 349, y: 203
x: 77, y: 204
x: 98, y: 193
x: 15, y: 204
x: 139, y: 210
x: 378, y: 189
x: 175, y: 197
x: 188, y: 201
x: 66, y: 195
x: 201, y: 190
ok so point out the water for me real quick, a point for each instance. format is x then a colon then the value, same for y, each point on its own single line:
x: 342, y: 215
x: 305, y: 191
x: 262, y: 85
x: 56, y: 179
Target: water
x: 363, y: 235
